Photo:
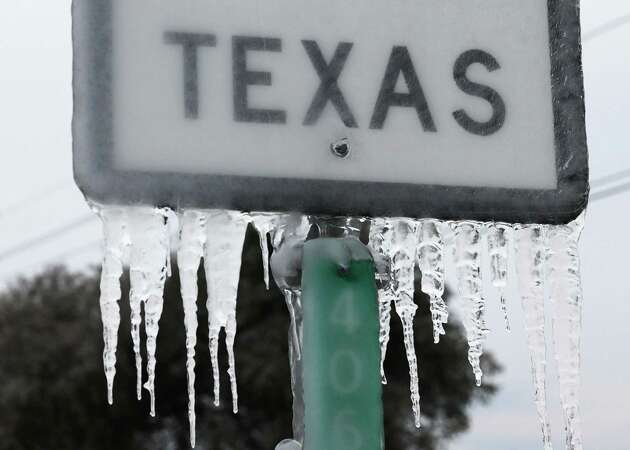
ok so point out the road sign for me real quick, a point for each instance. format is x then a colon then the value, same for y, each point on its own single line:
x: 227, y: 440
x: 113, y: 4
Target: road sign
x: 450, y: 109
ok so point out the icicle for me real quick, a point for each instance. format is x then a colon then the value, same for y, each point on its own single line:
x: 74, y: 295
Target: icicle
x: 289, y: 228
x: 530, y: 252
x: 406, y: 310
x: 403, y: 251
x: 264, y: 224
x: 193, y: 238
x: 292, y: 230
x: 431, y: 263
x: 139, y: 284
x: 294, y: 303
x: 293, y: 300
x: 385, y: 299
x: 224, y: 248
x: 149, y: 253
x: 380, y: 243
x: 467, y: 263
x: 394, y: 244
x: 116, y: 241
x: 288, y: 240
x: 563, y: 271
x: 498, y: 251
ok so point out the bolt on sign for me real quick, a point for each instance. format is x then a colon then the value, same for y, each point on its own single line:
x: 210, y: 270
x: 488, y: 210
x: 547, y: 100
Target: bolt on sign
x: 452, y: 109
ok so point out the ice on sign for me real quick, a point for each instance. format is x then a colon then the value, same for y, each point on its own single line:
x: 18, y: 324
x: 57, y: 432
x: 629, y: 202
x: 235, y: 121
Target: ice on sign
x: 449, y: 128
x: 543, y: 257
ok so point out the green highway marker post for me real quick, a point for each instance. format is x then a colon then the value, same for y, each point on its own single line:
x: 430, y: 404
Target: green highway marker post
x: 341, y: 353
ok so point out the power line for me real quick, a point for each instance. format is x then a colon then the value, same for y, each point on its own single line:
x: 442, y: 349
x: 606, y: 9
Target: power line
x: 606, y: 28
x: 601, y: 191
x: 611, y: 191
x: 37, y: 197
x: 619, y: 176
x: 47, y: 236
x: 612, y: 178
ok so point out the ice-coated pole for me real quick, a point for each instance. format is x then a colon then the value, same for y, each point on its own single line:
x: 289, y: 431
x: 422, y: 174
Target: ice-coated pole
x: 341, y: 354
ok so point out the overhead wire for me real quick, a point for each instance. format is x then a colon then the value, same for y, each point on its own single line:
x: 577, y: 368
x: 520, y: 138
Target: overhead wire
x: 612, y: 178
x: 33, y: 199
x: 46, y: 237
x: 602, y: 193
x: 606, y: 28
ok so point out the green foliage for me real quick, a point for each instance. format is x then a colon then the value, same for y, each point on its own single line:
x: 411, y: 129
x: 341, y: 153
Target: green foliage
x: 52, y: 388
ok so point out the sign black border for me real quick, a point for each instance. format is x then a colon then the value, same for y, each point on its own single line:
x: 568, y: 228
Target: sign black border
x: 97, y: 179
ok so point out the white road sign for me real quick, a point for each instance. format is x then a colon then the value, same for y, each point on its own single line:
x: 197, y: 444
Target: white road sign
x: 425, y: 108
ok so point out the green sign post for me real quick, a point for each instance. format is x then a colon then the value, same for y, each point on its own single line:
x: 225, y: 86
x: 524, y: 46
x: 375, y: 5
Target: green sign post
x: 341, y: 356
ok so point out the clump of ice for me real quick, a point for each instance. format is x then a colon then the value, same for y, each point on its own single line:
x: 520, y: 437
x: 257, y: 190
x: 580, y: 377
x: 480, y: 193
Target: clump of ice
x: 289, y: 444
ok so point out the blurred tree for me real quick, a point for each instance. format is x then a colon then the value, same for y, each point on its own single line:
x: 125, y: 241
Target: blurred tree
x: 52, y: 389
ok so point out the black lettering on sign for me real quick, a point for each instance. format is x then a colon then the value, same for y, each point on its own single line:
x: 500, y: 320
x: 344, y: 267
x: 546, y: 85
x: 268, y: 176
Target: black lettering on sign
x: 479, y: 90
x: 244, y: 78
x: 190, y: 43
x: 329, y: 87
x: 400, y: 63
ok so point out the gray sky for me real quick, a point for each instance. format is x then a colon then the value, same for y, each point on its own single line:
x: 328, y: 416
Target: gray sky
x: 38, y: 196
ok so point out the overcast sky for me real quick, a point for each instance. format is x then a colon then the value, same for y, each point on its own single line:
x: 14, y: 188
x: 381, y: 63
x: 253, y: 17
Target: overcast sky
x: 38, y: 197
